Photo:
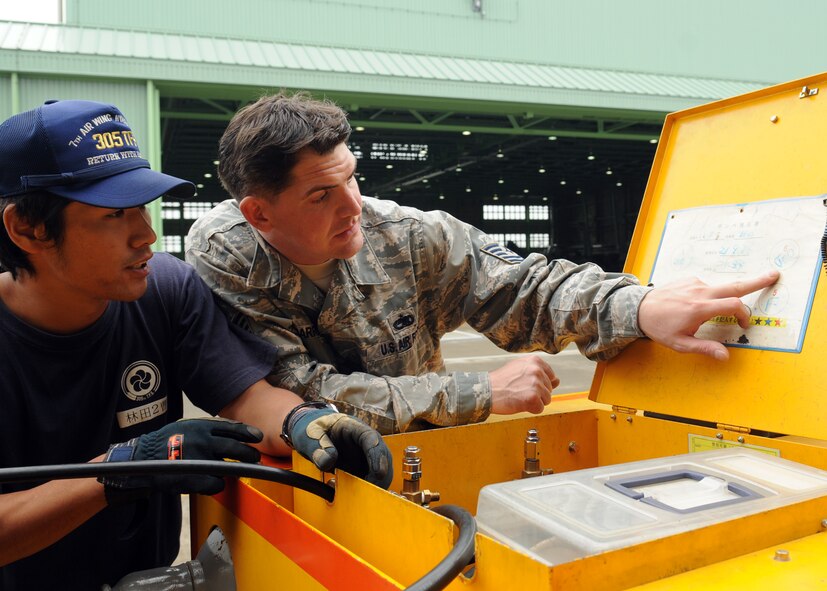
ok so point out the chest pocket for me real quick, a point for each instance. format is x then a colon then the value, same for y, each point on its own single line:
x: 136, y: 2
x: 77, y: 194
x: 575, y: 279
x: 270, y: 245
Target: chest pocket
x: 402, y: 348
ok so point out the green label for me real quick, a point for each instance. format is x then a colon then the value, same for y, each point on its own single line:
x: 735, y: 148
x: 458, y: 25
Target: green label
x: 702, y: 443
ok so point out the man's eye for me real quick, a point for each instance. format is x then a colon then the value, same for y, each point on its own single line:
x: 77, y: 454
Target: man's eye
x: 320, y: 198
x: 116, y: 214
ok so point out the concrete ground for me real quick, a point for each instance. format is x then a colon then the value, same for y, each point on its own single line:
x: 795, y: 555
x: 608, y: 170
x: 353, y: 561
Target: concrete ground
x: 463, y: 350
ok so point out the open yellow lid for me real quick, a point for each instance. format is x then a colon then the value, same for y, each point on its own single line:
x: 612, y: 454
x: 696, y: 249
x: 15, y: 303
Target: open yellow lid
x: 742, y: 152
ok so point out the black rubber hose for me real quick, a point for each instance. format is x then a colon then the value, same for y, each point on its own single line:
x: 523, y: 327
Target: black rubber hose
x: 437, y: 578
x: 211, y: 467
x: 458, y: 558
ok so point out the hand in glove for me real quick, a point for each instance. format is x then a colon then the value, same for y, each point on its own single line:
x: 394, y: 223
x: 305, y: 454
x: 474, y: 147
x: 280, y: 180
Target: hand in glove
x: 331, y: 440
x: 192, y: 439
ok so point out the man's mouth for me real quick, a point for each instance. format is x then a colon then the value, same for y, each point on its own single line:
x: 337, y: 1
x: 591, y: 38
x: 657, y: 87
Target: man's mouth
x: 141, y: 264
x: 352, y: 227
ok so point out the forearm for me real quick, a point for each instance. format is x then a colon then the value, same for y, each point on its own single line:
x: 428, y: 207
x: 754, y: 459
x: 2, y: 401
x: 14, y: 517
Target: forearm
x: 554, y: 304
x: 395, y: 404
x: 265, y: 407
x: 33, y: 519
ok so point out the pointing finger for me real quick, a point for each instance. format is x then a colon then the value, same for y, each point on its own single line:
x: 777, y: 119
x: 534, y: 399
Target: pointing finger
x: 745, y: 286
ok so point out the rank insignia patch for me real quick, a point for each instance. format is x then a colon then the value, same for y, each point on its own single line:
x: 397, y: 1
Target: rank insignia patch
x: 502, y: 253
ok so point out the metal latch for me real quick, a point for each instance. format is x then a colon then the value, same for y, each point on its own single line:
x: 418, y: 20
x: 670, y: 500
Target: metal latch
x: 733, y: 428
x: 807, y: 91
x: 626, y: 410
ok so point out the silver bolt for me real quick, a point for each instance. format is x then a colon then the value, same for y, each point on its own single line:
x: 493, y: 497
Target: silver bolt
x: 782, y: 556
x: 740, y: 439
x: 613, y: 416
x: 628, y: 419
x: 774, y: 119
x: 824, y: 523
x: 719, y: 435
x: 572, y: 446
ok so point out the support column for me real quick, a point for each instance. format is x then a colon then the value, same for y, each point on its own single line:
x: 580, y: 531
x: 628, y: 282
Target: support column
x: 152, y: 152
x: 15, y: 93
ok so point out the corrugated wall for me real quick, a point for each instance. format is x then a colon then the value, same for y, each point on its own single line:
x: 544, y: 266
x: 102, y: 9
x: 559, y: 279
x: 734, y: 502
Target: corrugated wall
x: 130, y: 98
x: 752, y: 40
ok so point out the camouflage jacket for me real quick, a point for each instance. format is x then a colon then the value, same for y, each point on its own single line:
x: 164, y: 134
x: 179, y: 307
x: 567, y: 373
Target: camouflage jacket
x: 371, y: 344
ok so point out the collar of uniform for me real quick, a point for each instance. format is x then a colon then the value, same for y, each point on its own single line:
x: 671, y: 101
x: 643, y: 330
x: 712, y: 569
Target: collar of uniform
x: 365, y: 267
x: 270, y: 270
x: 266, y: 267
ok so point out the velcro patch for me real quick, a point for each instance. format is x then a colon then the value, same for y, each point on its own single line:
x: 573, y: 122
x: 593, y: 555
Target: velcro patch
x: 502, y: 253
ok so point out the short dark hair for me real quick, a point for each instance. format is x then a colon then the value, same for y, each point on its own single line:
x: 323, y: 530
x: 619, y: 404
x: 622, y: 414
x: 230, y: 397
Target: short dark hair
x: 36, y: 208
x: 259, y: 147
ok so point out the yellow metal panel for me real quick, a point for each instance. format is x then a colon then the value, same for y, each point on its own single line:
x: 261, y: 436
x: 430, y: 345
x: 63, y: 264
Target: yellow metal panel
x: 495, y: 452
x: 621, y: 441
x: 395, y: 536
x: 759, y: 571
x: 650, y: 561
x: 402, y: 541
x: 259, y: 566
x: 499, y: 568
x: 731, y: 152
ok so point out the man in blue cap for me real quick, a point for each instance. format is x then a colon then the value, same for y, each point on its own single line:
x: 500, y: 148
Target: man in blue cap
x: 98, y: 338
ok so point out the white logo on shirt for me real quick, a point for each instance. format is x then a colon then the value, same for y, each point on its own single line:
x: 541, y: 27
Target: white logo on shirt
x: 140, y: 380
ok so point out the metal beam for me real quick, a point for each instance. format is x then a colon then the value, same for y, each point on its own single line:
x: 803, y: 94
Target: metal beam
x: 601, y: 133
x: 506, y: 130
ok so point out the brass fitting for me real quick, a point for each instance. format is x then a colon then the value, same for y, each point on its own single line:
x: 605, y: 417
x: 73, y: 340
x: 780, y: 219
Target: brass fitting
x: 531, y: 464
x: 412, y: 474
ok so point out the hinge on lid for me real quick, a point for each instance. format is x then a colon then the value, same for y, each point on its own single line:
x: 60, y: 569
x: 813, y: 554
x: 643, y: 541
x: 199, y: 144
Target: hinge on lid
x: 734, y: 428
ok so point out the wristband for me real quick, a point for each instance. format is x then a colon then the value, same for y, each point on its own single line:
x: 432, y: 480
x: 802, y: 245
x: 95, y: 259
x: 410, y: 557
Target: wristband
x: 296, y: 412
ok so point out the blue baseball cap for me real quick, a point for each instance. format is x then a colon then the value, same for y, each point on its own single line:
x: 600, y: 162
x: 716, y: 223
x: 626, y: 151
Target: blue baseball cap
x: 83, y: 151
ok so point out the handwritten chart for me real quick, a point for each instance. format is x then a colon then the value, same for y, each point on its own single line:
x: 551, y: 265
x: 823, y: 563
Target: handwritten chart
x: 721, y: 244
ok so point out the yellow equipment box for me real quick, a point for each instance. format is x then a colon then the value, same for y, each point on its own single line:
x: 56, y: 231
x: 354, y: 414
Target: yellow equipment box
x: 744, y: 175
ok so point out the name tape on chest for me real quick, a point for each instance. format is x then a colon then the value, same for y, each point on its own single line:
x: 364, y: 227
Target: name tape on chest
x: 501, y: 252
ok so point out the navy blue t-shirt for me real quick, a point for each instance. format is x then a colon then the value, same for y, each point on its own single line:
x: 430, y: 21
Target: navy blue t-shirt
x: 65, y: 399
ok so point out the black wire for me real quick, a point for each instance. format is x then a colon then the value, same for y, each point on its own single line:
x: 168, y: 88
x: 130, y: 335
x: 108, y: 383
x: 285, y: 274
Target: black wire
x: 458, y: 558
x: 437, y: 578
x: 211, y: 467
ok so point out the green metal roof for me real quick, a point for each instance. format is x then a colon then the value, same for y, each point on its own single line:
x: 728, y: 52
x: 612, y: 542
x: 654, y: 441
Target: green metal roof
x: 71, y: 50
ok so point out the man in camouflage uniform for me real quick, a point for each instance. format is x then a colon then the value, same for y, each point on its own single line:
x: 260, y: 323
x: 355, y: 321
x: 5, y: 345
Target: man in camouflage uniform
x: 357, y: 292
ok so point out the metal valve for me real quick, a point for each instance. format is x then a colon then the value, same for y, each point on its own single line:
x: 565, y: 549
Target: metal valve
x: 531, y: 464
x: 412, y: 474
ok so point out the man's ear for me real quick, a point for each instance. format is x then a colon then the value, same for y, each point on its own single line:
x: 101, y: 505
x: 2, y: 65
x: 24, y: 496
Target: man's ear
x: 30, y: 239
x: 254, y: 211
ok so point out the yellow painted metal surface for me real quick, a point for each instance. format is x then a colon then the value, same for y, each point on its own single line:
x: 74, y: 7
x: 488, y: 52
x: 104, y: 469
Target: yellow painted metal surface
x: 731, y: 152
x: 620, y: 441
x: 758, y: 571
x: 259, y: 565
x: 403, y: 541
x: 395, y: 536
x: 483, y: 456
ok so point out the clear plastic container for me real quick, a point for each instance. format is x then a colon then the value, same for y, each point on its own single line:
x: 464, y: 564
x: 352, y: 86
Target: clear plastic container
x: 562, y: 517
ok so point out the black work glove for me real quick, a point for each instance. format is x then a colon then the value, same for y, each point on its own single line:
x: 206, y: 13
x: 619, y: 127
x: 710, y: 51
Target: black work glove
x: 332, y: 440
x: 191, y: 439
